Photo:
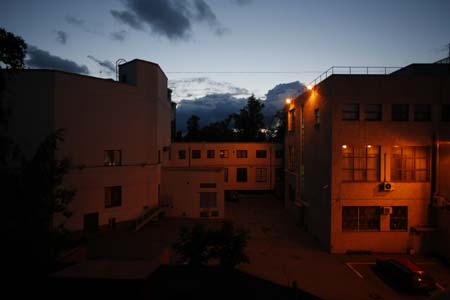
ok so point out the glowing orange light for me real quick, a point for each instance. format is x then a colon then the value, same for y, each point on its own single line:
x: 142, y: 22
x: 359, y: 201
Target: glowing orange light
x: 309, y: 87
x: 344, y: 146
x: 288, y: 101
x: 369, y: 146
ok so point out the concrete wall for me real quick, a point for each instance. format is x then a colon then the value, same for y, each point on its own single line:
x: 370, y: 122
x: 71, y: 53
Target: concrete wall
x: 270, y: 163
x: 181, y: 188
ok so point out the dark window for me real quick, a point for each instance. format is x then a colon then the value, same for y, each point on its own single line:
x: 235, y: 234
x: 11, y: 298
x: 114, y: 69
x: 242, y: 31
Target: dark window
x: 261, y: 174
x: 400, y: 112
x: 210, y: 154
x: 113, y: 157
x: 207, y: 185
x: 214, y: 213
x: 350, y: 112
x: 360, y: 218
x: 291, y: 120
x: 225, y: 174
x: 196, y: 154
x: 208, y: 200
x: 361, y: 163
x: 422, y: 112
x: 113, y: 196
x: 278, y: 153
x: 373, y: 112
x: 410, y: 164
x: 223, y: 153
x: 182, y: 154
x: 445, y: 112
x: 241, y: 153
x: 261, y: 153
x: 291, y: 157
x: 204, y: 214
x: 241, y: 174
x: 159, y: 156
x: 317, y: 117
x: 399, y: 218
x: 279, y: 174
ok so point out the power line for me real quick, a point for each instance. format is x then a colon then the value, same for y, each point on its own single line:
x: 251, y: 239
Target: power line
x: 243, y: 72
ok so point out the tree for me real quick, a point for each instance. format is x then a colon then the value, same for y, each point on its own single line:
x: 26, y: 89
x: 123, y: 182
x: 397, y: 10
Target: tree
x: 278, y: 129
x: 12, y: 50
x: 250, y: 121
x: 193, y: 129
x: 192, y: 245
x: 218, y: 131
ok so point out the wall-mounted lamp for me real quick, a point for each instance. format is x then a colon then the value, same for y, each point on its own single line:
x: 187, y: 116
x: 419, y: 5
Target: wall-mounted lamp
x: 288, y: 100
x: 309, y: 87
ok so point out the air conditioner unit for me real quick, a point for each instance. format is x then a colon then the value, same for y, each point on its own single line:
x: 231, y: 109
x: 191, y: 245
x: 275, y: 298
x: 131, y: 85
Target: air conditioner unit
x: 387, y: 210
x: 386, y: 186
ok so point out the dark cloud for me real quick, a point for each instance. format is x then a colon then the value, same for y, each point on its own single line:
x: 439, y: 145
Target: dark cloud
x: 119, y: 35
x: 170, y: 18
x: 108, y: 65
x: 61, y: 37
x: 38, y: 58
x: 216, y: 107
x: 242, y: 2
x: 74, y: 20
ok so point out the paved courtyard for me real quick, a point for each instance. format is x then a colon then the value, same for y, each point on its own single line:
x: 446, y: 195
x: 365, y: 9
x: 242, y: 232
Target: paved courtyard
x: 281, y: 252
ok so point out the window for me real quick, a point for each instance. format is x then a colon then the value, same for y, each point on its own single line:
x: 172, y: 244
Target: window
x: 113, y: 157
x: 196, y: 154
x: 317, y: 117
x: 113, y: 196
x: 225, y: 174
x: 360, y: 218
x: 291, y: 157
x: 261, y: 174
x: 207, y: 185
x: 210, y: 154
x: 182, y: 154
x: 400, y: 112
x: 291, y: 120
x: 241, y: 153
x: 361, y: 163
x: 241, y: 174
x: 208, y: 200
x: 410, y: 164
x: 350, y: 112
x: 278, y: 153
x: 373, y: 112
x: 399, y: 218
x: 261, y: 153
x: 445, y: 112
x: 223, y: 153
x: 422, y: 112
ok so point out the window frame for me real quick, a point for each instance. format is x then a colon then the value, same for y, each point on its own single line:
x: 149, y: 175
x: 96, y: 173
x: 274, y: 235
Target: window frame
x: 366, y: 219
x: 261, y: 175
x: 401, y: 174
x: 374, y: 114
x: 346, y: 111
x: 111, y: 193
x: 358, y: 160
x: 197, y: 155
x: 259, y: 154
x: 241, y: 153
x: 110, y: 157
x: 398, y: 113
x: 242, y: 178
x: 210, y: 153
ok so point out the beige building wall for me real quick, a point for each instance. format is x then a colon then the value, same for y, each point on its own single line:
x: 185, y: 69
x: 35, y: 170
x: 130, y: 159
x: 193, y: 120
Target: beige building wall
x: 261, y: 172
x: 182, y: 189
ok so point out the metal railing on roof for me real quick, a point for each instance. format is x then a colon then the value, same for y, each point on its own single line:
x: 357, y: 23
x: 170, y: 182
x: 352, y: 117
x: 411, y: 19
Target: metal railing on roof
x: 347, y: 70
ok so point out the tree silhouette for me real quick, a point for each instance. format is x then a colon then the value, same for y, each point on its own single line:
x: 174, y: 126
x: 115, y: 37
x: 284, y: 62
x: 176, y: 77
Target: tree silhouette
x: 193, y: 129
x: 250, y: 121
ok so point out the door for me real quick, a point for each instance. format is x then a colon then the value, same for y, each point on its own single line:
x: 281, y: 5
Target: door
x: 90, y: 222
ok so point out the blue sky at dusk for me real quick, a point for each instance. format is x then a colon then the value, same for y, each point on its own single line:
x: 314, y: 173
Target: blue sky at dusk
x: 232, y: 36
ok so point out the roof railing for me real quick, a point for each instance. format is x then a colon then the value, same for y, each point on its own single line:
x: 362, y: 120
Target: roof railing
x: 348, y: 70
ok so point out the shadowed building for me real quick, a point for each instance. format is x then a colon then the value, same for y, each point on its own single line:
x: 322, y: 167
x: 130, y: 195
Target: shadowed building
x: 368, y: 155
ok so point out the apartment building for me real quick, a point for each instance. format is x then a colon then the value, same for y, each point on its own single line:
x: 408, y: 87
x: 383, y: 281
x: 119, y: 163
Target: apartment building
x: 114, y: 132
x: 368, y: 160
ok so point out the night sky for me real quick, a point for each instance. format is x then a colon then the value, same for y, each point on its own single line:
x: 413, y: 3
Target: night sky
x: 305, y: 37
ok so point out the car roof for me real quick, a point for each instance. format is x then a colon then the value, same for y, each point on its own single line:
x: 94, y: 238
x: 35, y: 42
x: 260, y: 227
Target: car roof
x: 409, y: 264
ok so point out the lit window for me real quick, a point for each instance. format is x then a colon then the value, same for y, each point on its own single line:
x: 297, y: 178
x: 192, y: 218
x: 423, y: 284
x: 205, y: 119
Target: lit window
x: 182, y: 154
x: 399, y: 218
x: 361, y: 163
x: 400, y: 112
x: 350, y: 112
x: 360, y: 218
x: 113, y: 157
x: 113, y: 196
x: 241, y: 153
x: 210, y: 154
x: 241, y: 174
x: 196, y: 154
x: 261, y: 174
x: 410, y: 164
x: 422, y: 112
x: 373, y: 112
x: 223, y: 153
x: 261, y: 153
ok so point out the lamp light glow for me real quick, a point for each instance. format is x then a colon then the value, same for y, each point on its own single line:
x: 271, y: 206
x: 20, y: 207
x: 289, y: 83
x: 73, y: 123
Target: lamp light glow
x: 288, y: 101
x: 344, y: 146
x: 309, y: 87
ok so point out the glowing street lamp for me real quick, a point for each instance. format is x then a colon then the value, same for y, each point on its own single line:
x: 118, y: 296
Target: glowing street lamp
x: 288, y: 100
x: 309, y: 87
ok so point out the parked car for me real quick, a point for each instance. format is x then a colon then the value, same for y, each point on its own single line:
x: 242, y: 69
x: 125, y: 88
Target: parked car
x: 406, y: 274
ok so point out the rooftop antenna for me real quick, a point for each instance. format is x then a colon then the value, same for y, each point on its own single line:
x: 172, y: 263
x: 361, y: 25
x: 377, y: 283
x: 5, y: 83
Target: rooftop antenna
x: 119, y: 62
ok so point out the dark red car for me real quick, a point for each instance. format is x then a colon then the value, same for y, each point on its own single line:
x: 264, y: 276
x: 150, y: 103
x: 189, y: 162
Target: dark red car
x: 405, y: 273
